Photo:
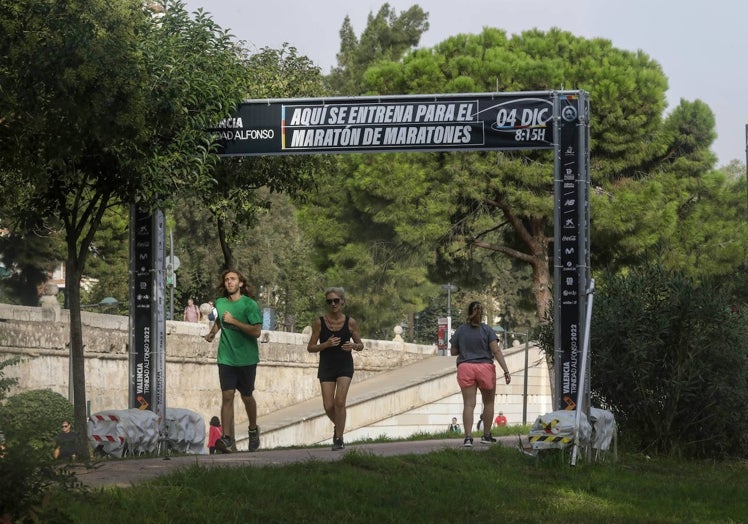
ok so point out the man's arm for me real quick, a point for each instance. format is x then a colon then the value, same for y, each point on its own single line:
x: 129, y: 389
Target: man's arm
x: 253, y: 330
x: 215, y: 328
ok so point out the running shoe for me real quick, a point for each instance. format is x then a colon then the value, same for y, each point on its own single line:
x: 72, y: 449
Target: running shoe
x: 487, y: 439
x: 254, y: 439
x: 223, y: 444
x: 468, y: 442
x: 337, y: 443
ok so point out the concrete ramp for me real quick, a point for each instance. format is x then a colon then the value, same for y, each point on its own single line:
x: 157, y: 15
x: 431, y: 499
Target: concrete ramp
x: 369, y: 401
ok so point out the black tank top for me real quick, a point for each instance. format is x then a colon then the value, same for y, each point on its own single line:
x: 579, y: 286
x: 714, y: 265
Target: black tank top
x: 335, y: 361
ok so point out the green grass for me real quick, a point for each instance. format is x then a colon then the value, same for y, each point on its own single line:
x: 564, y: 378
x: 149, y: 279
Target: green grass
x: 455, y: 485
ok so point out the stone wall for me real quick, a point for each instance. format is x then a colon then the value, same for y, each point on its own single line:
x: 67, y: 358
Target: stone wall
x: 287, y: 375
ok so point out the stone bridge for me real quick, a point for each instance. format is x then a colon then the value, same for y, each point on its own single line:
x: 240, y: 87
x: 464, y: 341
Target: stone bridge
x: 398, y: 388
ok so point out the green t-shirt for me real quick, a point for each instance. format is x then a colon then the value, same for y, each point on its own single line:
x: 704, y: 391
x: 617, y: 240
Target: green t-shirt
x: 236, y: 348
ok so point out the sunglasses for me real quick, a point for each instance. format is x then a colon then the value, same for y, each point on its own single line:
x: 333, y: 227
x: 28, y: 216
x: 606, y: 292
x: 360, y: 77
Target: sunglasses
x: 66, y: 425
x: 332, y: 301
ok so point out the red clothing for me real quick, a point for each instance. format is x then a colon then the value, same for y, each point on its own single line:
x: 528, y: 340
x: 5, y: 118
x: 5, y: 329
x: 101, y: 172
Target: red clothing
x: 500, y: 420
x: 214, y: 434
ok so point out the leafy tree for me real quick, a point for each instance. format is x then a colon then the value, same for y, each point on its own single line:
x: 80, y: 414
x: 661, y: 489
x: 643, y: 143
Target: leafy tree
x: 387, y: 36
x: 379, y: 272
x: 108, y: 263
x: 30, y: 258
x: 735, y: 170
x: 281, y: 262
x: 503, y: 202
x: 385, y: 279
x: 669, y: 358
x: 234, y: 202
x: 272, y: 250
x: 636, y: 217
x: 105, y: 104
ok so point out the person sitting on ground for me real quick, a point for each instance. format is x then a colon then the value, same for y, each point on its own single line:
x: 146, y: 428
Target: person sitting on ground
x: 65, y: 447
x: 214, y: 433
x: 454, y: 427
x: 500, y: 419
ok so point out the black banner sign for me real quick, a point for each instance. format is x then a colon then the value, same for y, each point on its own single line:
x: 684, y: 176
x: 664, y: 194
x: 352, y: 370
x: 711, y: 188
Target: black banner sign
x: 147, y: 341
x: 141, y: 305
x: 571, y: 245
x: 386, y: 124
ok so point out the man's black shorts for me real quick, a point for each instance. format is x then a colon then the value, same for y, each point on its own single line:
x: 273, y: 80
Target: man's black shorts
x: 240, y: 378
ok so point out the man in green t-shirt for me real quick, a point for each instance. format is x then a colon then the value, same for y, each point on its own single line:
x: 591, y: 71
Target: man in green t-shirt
x: 240, y: 321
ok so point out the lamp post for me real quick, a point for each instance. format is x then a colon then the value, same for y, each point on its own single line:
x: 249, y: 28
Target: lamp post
x: 450, y: 288
x: 524, y: 386
x: 500, y: 331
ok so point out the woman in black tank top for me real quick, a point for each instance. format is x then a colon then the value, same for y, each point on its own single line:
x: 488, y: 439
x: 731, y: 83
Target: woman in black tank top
x: 334, y: 336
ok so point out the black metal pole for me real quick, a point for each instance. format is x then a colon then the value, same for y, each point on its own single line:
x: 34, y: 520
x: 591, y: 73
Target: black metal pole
x: 524, y: 392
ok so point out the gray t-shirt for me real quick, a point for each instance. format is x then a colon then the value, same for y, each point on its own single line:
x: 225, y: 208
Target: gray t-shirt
x: 473, y: 343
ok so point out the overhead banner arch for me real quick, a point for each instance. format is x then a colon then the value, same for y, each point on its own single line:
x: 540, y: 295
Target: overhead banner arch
x: 466, y: 122
x: 554, y: 120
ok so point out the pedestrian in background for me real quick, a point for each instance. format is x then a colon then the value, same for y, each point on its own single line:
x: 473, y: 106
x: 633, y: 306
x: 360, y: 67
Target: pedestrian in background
x: 191, y: 312
x: 240, y: 322
x: 212, y: 315
x: 475, y: 344
x: 214, y: 433
x: 65, y: 446
x: 334, y: 336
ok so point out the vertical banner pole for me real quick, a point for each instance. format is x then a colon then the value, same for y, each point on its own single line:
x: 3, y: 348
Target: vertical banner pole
x: 158, y: 319
x: 571, y: 241
x: 583, y: 404
x: 147, y: 386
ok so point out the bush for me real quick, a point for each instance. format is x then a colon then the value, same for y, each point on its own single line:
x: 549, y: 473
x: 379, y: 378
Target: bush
x: 5, y: 382
x: 30, y: 421
x: 27, y: 474
x: 34, y: 417
x: 670, y: 359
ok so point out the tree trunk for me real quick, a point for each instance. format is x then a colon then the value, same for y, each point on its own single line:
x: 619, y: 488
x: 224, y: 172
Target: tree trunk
x: 541, y: 274
x: 228, y: 255
x: 532, y: 234
x: 73, y: 291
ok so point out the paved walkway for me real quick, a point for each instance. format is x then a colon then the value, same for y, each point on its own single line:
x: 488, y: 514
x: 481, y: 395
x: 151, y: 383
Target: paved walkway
x: 126, y: 472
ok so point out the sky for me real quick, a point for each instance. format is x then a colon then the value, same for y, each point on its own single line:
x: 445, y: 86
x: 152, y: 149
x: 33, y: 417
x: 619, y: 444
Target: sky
x: 700, y: 45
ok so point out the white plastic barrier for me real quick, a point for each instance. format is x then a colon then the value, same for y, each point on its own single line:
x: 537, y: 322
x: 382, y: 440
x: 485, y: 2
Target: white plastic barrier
x: 185, y: 431
x: 123, y: 432
x: 555, y: 430
x: 603, y: 428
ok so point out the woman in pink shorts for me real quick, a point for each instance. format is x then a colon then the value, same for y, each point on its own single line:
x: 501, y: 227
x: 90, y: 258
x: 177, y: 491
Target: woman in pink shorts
x: 475, y: 344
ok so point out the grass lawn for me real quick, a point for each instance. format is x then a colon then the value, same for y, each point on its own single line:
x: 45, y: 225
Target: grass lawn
x: 455, y: 485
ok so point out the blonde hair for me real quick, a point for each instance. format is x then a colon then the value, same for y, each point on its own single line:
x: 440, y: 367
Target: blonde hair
x: 337, y: 290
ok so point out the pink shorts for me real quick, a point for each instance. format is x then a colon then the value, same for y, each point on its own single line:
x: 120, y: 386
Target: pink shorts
x: 481, y: 373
